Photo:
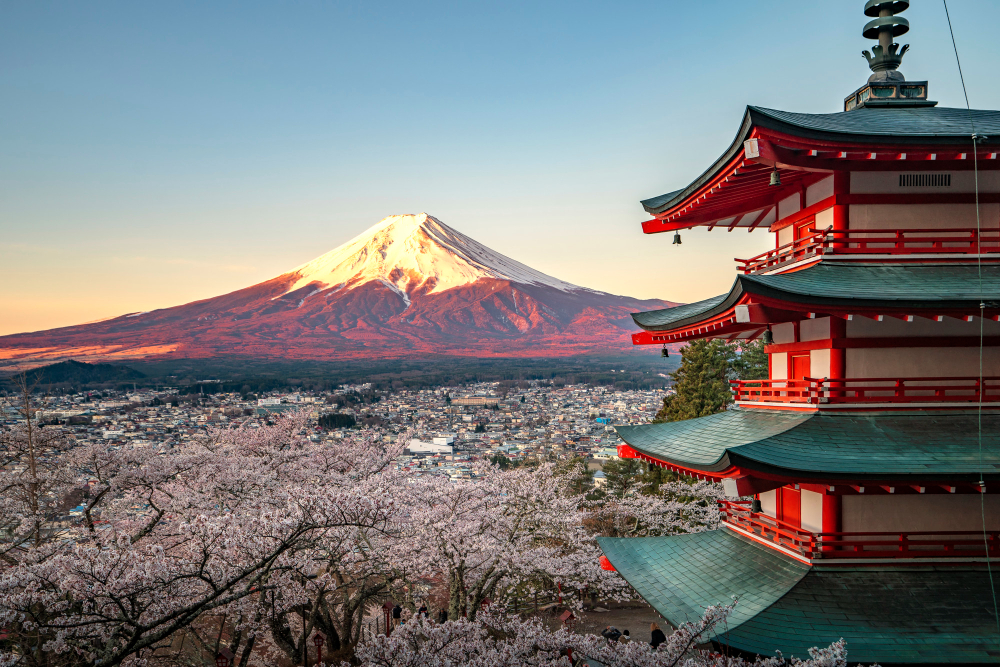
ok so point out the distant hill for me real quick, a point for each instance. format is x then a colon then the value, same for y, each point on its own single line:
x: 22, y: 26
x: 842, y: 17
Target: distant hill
x: 79, y: 373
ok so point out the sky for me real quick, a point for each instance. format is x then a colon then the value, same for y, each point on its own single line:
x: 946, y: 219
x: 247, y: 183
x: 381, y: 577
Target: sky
x: 153, y: 154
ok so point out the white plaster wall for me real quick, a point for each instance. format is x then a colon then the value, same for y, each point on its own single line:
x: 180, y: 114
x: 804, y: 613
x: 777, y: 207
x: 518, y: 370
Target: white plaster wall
x: 933, y: 216
x: 779, y: 366
x: 915, y: 512
x: 817, y: 329
x: 812, y: 511
x: 783, y: 333
x: 788, y: 205
x: 888, y: 182
x: 786, y: 235
x: 820, y: 190
x: 819, y: 363
x: 824, y: 219
x: 890, y: 327
x: 769, y: 503
x: 910, y: 362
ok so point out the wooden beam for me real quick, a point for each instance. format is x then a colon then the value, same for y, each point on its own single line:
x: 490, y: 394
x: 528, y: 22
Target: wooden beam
x: 763, y: 214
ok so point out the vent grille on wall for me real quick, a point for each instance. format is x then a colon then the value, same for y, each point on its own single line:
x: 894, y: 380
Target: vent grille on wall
x: 925, y: 180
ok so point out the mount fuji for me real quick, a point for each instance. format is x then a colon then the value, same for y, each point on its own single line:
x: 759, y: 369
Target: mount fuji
x: 410, y: 285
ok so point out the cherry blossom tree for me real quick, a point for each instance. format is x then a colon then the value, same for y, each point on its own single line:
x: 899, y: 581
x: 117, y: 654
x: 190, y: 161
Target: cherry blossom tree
x: 487, y: 536
x: 499, y: 641
x: 677, y: 507
x: 211, y: 525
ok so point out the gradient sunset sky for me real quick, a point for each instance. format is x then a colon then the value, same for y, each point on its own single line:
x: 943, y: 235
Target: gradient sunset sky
x: 153, y: 154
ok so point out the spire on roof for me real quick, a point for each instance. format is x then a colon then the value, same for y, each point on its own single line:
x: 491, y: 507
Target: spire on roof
x: 885, y: 26
x: 887, y: 87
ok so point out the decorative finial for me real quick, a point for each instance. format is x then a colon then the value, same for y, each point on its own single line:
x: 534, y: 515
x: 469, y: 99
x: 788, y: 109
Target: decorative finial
x: 886, y: 87
x: 884, y: 27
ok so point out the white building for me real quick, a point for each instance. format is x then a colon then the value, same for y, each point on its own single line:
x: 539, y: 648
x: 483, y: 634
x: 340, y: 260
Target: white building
x: 440, y: 445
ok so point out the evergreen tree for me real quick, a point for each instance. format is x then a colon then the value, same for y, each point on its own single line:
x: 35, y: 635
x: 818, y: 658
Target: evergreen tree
x: 750, y: 361
x: 702, y: 381
x: 623, y: 475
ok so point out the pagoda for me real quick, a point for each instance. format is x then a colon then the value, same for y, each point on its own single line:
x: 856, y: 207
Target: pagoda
x: 863, y: 474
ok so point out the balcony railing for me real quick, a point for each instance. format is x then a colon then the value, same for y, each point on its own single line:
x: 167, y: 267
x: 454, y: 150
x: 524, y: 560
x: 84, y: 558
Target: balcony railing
x: 804, y: 248
x: 903, y: 544
x: 965, y: 241
x: 869, y: 390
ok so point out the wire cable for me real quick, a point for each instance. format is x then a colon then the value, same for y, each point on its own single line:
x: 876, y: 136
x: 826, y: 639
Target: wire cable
x: 982, y: 315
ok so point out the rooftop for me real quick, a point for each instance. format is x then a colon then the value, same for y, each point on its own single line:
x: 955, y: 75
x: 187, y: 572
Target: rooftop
x: 804, y: 147
x: 882, y: 446
x: 887, y: 614
x: 842, y: 288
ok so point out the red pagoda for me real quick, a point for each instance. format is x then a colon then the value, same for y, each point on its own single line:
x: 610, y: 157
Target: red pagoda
x: 864, y: 472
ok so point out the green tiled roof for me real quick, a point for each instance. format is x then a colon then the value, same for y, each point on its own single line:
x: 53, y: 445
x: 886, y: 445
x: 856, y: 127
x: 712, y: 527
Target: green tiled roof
x: 681, y: 575
x: 847, y: 284
x: 929, y: 125
x: 927, y: 122
x: 891, y: 615
x: 829, y: 445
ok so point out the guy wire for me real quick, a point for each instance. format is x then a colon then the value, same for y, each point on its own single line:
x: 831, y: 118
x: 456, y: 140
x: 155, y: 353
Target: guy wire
x: 982, y: 316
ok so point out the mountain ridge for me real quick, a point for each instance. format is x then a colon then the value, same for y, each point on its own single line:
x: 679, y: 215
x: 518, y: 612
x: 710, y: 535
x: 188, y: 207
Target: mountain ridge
x: 410, y: 285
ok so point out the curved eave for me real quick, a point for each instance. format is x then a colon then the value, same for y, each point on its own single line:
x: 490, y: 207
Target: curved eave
x: 699, y: 311
x: 846, y: 287
x: 656, y: 205
x: 886, y: 447
x: 925, y: 127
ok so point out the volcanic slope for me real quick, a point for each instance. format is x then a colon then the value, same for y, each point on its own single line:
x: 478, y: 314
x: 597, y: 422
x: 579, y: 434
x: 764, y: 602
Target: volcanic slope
x: 410, y: 285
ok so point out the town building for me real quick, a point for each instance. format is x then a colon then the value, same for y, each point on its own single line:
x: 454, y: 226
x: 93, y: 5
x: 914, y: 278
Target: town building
x: 864, y: 471
x: 439, y: 445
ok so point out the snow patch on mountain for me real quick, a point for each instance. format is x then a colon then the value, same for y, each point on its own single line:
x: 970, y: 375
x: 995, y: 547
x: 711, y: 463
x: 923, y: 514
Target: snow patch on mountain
x: 407, y: 252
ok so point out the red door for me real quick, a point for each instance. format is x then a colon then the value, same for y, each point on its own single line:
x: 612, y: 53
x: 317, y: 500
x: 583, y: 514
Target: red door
x: 802, y: 230
x: 790, y: 506
x: 800, y: 370
x: 800, y: 366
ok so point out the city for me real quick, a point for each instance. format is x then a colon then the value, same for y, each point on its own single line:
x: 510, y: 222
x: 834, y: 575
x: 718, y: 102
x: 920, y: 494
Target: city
x: 535, y: 421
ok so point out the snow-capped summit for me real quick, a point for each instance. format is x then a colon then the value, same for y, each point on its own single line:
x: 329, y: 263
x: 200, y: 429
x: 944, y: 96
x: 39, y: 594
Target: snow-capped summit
x: 415, y: 252
x: 407, y: 287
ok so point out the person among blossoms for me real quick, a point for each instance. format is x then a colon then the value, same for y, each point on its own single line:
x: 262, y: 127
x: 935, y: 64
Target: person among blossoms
x: 656, y: 635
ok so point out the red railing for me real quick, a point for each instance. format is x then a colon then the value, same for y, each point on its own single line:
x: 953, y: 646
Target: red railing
x: 868, y: 390
x: 828, y: 241
x: 803, y: 248
x: 908, y: 544
x: 909, y: 241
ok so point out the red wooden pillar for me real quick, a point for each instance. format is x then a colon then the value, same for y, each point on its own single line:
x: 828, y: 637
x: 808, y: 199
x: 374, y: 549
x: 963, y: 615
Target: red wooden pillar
x: 831, y: 515
x: 838, y: 356
x: 841, y: 212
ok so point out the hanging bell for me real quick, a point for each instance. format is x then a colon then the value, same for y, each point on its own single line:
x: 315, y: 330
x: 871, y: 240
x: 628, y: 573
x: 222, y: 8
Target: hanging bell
x: 767, y: 338
x: 755, y: 505
x: 775, y: 177
x: 677, y: 238
x: 664, y: 353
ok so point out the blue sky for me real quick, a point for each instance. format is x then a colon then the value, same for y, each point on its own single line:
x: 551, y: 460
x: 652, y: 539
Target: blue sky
x: 153, y: 154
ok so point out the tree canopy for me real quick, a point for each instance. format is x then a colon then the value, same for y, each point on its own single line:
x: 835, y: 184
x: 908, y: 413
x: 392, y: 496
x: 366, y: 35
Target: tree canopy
x: 701, y: 384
